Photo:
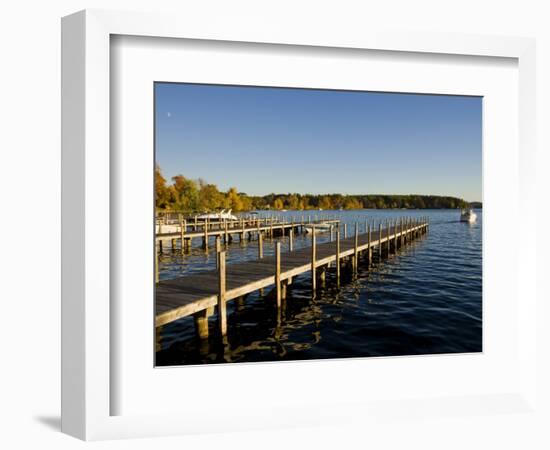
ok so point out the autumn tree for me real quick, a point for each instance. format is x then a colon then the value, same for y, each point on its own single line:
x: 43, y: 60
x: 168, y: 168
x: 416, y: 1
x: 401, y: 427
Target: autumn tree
x: 210, y: 198
x: 352, y: 203
x: 161, y: 190
x: 187, y: 193
x: 233, y: 200
x: 278, y: 204
x: 325, y: 202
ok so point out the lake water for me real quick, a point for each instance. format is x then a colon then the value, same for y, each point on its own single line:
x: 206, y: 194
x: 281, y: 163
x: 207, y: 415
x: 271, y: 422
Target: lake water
x: 425, y: 299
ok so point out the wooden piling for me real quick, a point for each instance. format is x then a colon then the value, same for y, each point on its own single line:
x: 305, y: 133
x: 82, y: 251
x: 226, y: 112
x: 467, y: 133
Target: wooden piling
x: 369, y: 247
x: 206, y: 234
x: 278, y: 273
x: 379, y: 241
x: 222, y: 311
x: 218, y: 249
x: 260, y: 246
x: 156, y: 264
x: 356, y: 249
x: 338, y: 255
x: 345, y: 230
x: 291, y: 240
x: 395, y: 236
x: 182, y: 232
x: 313, y: 259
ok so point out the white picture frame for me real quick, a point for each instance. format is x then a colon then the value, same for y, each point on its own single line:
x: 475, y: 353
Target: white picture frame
x: 87, y: 386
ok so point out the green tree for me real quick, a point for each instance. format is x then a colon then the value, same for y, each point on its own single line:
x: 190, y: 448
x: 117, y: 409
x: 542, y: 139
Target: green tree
x: 210, y: 198
x: 233, y: 200
x: 187, y: 194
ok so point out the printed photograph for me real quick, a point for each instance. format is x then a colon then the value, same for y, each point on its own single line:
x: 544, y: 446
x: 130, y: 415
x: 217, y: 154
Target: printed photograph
x: 306, y: 224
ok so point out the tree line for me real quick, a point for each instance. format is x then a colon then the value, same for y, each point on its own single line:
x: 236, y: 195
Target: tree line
x: 186, y: 194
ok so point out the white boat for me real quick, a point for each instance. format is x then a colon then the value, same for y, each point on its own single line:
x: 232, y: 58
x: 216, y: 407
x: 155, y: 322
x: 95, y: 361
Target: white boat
x: 468, y: 215
x: 166, y: 228
x: 319, y: 228
x: 222, y: 215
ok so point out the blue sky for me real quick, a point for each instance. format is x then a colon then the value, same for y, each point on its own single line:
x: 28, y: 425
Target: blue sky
x: 264, y: 140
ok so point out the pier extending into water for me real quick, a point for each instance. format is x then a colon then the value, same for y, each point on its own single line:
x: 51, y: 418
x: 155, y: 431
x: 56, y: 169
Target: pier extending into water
x: 203, y: 294
x: 185, y: 230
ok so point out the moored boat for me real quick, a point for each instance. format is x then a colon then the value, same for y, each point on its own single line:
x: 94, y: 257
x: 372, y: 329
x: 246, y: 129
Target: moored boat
x: 318, y: 227
x: 468, y: 215
x: 222, y: 215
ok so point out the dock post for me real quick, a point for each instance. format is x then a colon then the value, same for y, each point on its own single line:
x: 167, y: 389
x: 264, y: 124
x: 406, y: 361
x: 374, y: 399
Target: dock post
x: 395, y: 236
x: 388, y: 234
x: 369, y: 251
x: 291, y: 240
x: 218, y: 249
x: 260, y: 246
x: 182, y: 232
x: 271, y: 228
x: 401, y: 232
x: 278, y: 286
x: 226, y: 234
x: 156, y: 264
x: 206, y: 234
x: 338, y: 256
x: 356, y: 249
x: 380, y: 241
x: 222, y: 311
x: 242, y: 231
x: 345, y: 230
x: 313, y: 258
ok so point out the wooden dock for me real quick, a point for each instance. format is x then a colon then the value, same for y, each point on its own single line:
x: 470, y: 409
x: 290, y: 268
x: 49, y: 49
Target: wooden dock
x: 199, y: 295
x: 184, y: 231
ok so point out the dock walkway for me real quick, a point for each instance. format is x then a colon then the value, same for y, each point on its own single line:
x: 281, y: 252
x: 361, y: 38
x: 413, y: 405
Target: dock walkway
x: 185, y: 232
x: 200, y: 293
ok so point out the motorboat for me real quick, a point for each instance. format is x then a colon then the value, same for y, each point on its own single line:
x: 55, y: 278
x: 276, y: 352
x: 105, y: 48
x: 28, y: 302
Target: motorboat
x: 468, y: 215
x: 318, y: 227
x: 222, y: 215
